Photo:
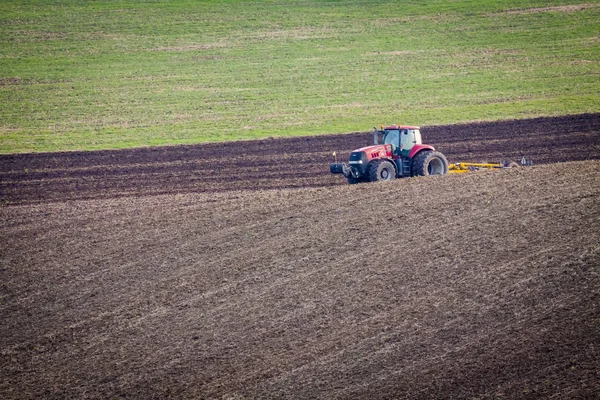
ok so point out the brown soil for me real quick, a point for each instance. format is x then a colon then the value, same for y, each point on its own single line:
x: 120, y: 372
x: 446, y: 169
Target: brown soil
x: 483, y: 285
x: 275, y: 163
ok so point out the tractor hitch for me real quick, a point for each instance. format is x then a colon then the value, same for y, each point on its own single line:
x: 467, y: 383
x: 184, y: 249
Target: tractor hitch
x: 341, y: 168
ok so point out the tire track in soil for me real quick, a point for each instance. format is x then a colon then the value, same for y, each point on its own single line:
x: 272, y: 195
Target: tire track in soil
x: 275, y: 163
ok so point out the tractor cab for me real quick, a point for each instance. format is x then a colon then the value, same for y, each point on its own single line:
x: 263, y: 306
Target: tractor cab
x: 402, y: 138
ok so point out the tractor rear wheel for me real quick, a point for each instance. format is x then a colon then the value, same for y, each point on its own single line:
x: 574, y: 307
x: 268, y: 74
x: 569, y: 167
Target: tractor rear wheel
x: 382, y: 170
x: 429, y: 163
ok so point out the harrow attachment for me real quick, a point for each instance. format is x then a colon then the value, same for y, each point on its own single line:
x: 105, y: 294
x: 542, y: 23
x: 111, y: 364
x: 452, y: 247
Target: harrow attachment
x: 462, y: 167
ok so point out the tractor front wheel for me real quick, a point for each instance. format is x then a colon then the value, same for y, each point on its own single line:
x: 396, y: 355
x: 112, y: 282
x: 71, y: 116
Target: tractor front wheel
x: 429, y: 163
x: 382, y: 170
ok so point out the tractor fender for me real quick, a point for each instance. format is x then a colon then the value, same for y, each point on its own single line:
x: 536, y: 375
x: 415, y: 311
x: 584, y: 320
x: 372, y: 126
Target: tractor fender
x: 417, y: 148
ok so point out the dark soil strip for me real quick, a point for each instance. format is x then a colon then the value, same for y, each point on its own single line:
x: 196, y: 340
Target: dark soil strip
x: 275, y: 163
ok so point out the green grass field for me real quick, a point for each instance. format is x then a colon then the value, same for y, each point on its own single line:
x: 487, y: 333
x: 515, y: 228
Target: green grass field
x: 114, y: 74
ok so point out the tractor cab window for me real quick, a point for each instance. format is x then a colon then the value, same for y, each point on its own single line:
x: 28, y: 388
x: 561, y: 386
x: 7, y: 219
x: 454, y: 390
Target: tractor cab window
x: 410, y: 137
x: 392, y: 137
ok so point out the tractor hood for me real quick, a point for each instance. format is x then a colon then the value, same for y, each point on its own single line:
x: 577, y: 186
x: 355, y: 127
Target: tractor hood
x: 366, y: 154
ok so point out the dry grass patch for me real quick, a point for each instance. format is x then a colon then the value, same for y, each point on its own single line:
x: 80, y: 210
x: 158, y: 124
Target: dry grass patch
x: 197, y: 47
x: 563, y: 9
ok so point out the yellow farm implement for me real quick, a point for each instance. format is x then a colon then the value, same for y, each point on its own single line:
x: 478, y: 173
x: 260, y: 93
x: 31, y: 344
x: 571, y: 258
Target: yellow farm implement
x: 461, y: 167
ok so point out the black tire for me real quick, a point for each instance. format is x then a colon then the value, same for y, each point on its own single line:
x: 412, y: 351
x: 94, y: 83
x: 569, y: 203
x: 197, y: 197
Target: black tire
x: 352, y: 180
x: 429, y: 162
x: 382, y: 170
x: 511, y: 164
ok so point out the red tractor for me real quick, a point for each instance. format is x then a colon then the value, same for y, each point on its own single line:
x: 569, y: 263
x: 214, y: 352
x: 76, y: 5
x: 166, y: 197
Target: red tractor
x: 400, y: 154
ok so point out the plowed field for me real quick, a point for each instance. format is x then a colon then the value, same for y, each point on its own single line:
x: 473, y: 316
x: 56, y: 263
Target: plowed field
x: 482, y: 285
x: 275, y: 163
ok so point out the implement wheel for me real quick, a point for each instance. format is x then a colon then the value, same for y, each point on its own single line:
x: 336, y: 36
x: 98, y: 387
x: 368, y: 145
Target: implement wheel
x: 382, y: 170
x: 429, y: 163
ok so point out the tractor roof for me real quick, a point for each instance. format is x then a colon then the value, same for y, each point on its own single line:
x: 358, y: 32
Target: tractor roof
x: 401, y: 127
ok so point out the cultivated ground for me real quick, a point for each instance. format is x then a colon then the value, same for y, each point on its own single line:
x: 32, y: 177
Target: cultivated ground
x: 169, y: 272
x: 275, y: 163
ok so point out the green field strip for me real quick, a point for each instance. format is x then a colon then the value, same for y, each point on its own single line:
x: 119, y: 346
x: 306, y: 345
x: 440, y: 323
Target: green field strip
x: 90, y: 75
